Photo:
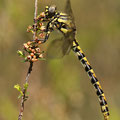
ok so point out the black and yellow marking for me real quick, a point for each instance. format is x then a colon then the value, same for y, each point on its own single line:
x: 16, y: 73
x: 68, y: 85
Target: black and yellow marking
x: 103, y: 103
x: 66, y: 25
x: 61, y: 21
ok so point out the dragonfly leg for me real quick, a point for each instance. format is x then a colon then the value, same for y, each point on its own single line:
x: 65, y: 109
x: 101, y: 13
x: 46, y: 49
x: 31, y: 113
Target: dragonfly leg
x: 46, y: 37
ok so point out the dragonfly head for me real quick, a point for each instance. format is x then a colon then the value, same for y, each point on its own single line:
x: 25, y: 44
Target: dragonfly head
x: 50, y: 11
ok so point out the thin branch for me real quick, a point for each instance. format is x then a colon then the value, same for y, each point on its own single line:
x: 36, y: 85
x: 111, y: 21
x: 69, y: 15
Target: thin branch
x: 35, y: 21
x: 29, y: 72
x: 30, y: 67
x: 22, y: 105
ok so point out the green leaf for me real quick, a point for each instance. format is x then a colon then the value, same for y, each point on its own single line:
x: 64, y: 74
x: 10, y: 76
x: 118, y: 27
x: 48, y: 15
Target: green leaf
x: 26, y: 86
x: 17, y: 87
x: 20, y: 53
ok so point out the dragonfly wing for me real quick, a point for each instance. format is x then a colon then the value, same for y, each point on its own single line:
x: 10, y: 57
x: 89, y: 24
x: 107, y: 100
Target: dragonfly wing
x: 68, y: 9
x: 58, y: 48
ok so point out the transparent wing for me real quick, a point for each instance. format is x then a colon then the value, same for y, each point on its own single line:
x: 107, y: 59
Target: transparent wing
x: 59, y: 47
x: 68, y: 10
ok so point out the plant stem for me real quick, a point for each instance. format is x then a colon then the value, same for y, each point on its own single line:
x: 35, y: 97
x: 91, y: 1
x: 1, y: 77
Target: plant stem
x: 30, y: 67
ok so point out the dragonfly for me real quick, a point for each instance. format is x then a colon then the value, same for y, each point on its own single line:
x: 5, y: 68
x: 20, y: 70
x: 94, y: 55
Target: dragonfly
x: 64, y: 22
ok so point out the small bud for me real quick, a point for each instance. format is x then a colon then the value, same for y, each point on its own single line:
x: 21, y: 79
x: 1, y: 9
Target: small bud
x: 29, y: 28
x: 30, y: 49
x: 42, y: 14
x: 34, y: 57
x: 36, y: 38
x: 40, y: 24
x: 39, y: 42
x: 42, y: 28
x: 32, y: 54
x: 29, y: 43
x: 25, y: 45
x: 40, y: 56
x: 41, y: 19
x: 37, y: 50
x: 41, y: 35
x: 34, y: 60
x: 29, y: 57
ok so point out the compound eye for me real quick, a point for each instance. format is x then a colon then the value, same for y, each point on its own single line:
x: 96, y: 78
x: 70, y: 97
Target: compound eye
x: 52, y: 9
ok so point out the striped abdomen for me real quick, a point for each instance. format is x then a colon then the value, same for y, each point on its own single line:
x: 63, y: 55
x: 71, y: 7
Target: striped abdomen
x: 103, y: 103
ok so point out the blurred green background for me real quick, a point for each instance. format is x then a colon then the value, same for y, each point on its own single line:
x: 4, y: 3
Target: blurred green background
x: 60, y: 89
